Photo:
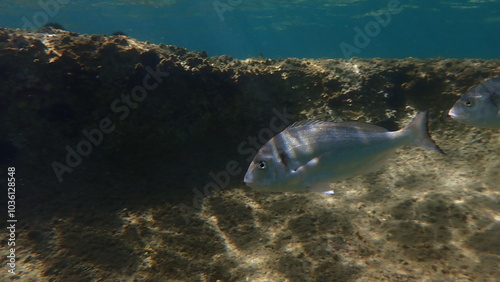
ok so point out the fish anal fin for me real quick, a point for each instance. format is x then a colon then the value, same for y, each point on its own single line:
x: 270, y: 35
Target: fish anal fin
x: 321, y: 188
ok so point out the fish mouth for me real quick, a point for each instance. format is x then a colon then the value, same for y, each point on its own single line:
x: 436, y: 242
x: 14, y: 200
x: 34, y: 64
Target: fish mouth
x: 248, y: 181
x: 451, y: 114
x: 447, y: 117
x: 252, y: 185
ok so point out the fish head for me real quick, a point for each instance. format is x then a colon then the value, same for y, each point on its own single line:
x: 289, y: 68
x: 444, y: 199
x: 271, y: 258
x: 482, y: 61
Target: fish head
x: 266, y: 172
x: 473, y: 110
x: 479, y: 106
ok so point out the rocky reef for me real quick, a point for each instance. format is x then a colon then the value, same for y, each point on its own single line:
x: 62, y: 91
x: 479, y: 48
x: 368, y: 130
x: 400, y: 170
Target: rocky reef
x: 130, y: 158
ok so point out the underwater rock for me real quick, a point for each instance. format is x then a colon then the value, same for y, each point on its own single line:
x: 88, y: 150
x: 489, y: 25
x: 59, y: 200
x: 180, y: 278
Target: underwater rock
x: 206, y: 100
x: 47, y: 28
x: 119, y: 33
x: 128, y: 142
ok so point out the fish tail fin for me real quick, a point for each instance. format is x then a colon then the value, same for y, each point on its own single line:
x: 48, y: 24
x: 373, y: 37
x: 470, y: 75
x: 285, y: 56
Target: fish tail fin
x: 420, y: 130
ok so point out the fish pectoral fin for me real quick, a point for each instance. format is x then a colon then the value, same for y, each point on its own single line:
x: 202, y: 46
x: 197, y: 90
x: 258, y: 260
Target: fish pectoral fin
x: 313, y: 162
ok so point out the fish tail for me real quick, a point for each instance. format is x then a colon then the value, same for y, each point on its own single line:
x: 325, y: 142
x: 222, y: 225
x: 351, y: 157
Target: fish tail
x: 418, y: 126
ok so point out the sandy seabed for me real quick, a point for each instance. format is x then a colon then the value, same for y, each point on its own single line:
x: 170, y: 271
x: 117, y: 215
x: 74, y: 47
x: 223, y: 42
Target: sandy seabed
x: 424, y: 216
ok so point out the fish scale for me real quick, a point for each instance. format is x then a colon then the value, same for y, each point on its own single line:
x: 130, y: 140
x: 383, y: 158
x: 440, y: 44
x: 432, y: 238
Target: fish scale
x: 309, y: 155
x: 317, y: 136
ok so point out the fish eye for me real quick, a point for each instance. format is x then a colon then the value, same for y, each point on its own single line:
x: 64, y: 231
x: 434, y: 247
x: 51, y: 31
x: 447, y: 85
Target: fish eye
x: 262, y: 165
x: 469, y: 103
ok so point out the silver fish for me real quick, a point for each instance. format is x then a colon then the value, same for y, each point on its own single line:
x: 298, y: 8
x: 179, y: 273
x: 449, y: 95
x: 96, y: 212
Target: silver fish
x: 310, y: 154
x: 480, y: 105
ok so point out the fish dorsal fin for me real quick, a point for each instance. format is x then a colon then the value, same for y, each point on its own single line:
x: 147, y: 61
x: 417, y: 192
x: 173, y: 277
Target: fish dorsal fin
x: 308, y: 122
x: 363, y: 125
x: 348, y: 124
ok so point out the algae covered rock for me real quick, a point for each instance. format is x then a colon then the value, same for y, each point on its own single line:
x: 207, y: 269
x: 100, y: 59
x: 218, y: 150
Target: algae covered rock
x: 131, y: 157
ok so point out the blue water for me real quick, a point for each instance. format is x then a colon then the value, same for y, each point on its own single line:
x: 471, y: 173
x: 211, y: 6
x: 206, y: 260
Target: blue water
x: 277, y: 29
